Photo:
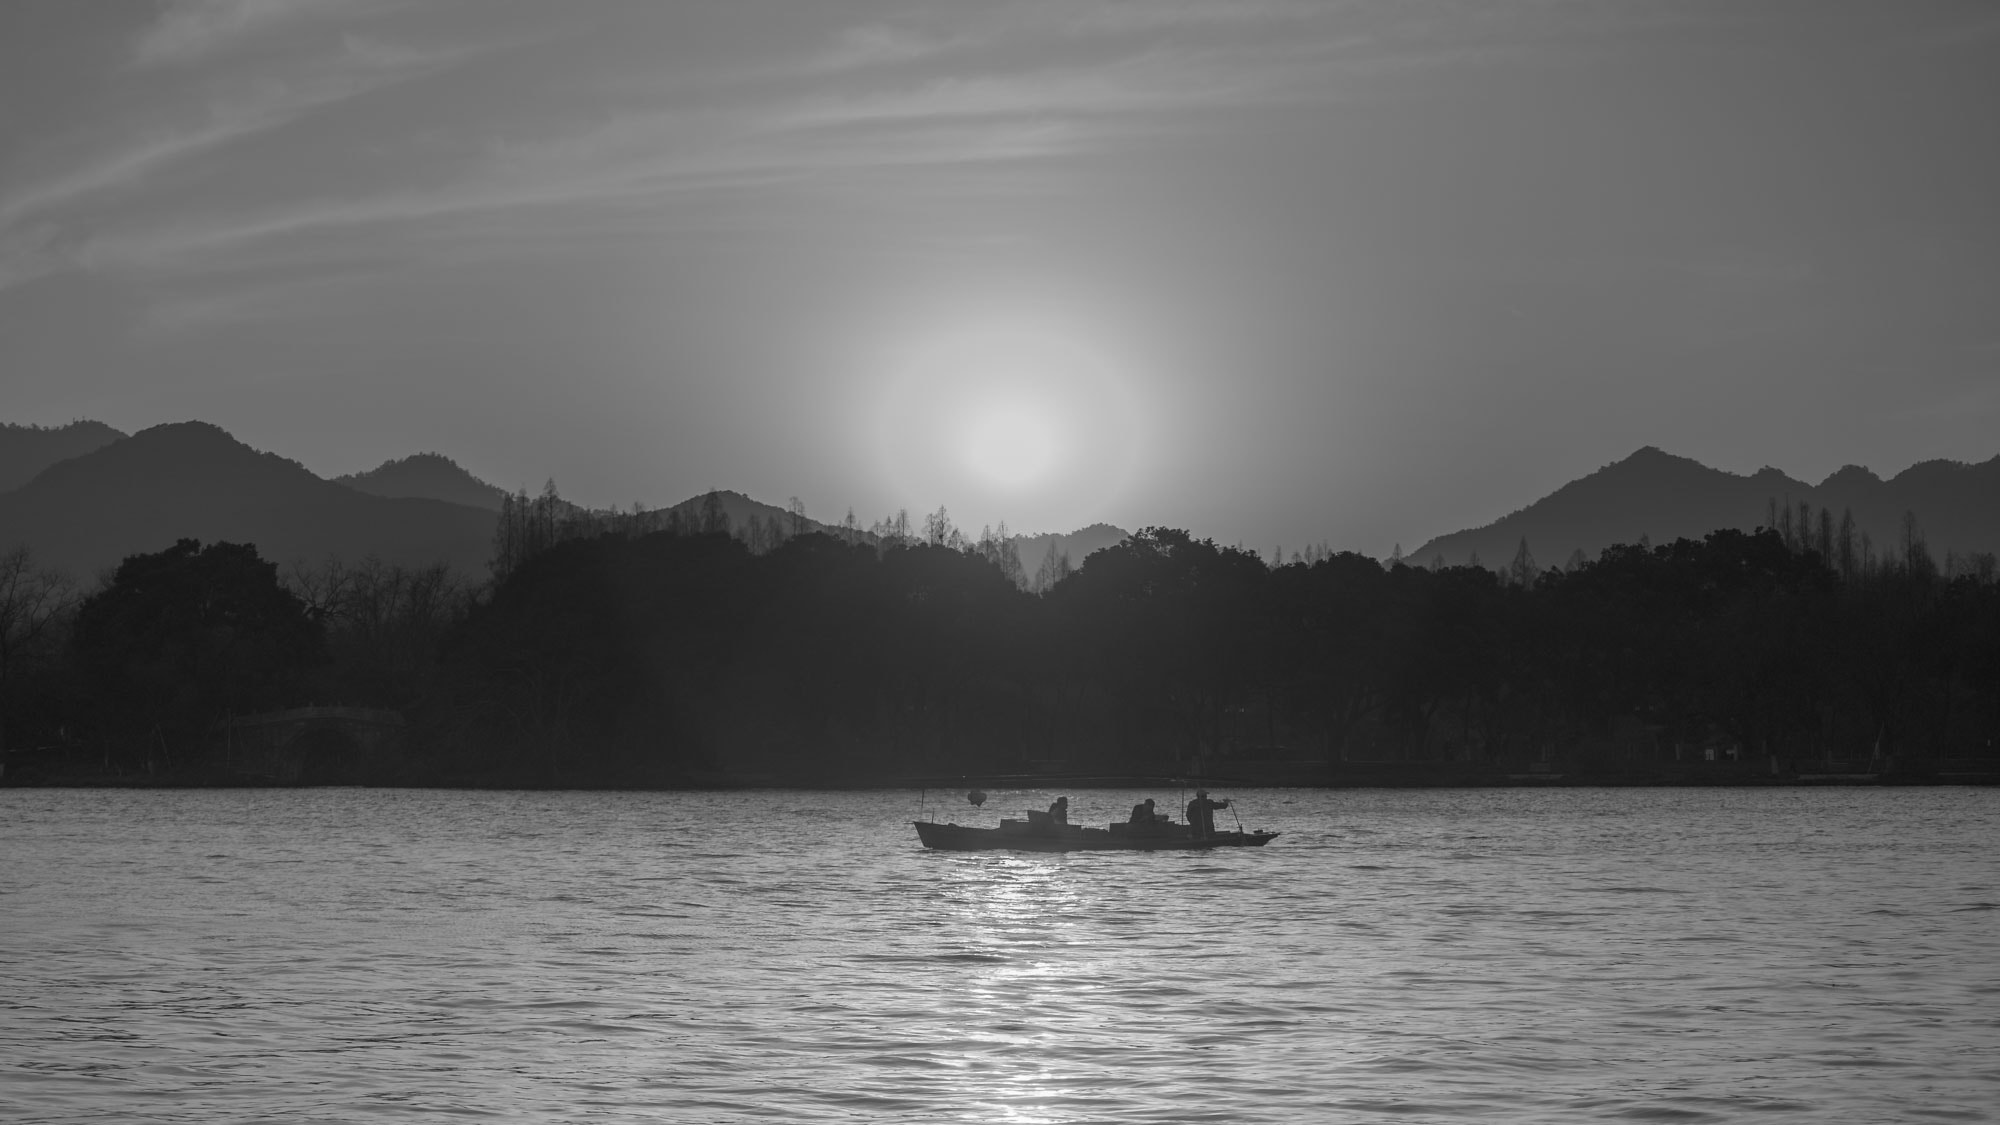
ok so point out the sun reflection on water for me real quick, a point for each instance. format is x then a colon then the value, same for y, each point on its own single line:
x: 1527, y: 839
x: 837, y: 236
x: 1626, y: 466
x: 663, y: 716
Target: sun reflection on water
x: 1030, y: 928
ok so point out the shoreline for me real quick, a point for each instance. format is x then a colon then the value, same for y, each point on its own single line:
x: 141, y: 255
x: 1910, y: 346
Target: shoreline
x: 1398, y: 779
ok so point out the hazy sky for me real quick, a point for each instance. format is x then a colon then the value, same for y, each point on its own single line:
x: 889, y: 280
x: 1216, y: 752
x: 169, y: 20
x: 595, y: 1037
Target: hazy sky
x: 1273, y: 270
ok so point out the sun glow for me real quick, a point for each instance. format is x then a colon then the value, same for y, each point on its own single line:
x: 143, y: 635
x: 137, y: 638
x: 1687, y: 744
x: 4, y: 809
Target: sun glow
x: 1013, y: 445
x: 1017, y: 421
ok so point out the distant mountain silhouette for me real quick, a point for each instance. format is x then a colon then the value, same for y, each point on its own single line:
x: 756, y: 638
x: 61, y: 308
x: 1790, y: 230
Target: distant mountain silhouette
x: 1033, y: 548
x: 741, y: 509
x: 1665, y: 497
x: 426, y: 476
x: 27, y: 450
x: 193, y: 480
x: 1077, y: 544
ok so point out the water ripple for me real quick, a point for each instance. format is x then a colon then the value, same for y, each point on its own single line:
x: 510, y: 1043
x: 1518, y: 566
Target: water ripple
x: 1441, y: 956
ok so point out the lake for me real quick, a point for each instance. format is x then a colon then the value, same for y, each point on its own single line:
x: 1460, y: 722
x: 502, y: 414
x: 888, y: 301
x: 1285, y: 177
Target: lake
x: 1680, y: 955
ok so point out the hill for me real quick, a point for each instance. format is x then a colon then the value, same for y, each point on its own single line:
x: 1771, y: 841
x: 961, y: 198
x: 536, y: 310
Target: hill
x: 1033, y: 549
x: 193, y: 480
x: 742, y: 510
x: 426, y: 476
x: 27, y: 450
x: 1659, y: 495
x: 1077, y: 545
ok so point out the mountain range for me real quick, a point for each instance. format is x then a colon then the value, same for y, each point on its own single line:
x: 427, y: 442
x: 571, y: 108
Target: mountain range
x: 1660, y: 496
x: 741, y: 510
x: 193, y: 480
x: 27, y: 450
x: 426, y: 476
x: 1077, y: 545
x: 86, y: 495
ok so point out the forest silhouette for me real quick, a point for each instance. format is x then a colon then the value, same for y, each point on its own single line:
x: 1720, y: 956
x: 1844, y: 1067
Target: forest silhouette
x: 661, y: 649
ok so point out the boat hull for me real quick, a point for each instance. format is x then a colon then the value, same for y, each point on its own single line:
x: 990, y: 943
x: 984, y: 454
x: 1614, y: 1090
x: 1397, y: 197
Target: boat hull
x: 1076, y: 838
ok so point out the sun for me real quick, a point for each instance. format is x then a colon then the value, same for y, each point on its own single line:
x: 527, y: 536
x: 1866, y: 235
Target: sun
x: 1010, y: 445
x: 1018, y: 420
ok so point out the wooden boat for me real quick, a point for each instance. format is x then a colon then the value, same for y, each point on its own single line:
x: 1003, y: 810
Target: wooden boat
x: 1040, y: 833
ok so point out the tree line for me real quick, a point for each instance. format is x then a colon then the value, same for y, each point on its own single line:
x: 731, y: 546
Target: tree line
x: 618, y: 653
x: 528, y: 525
x: 684, y: 656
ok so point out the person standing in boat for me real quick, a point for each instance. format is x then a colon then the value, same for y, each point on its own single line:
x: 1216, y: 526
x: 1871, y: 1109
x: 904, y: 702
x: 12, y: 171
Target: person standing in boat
x: 1201, y: 813
x: 1142, y: 813
x: 1059, y: 811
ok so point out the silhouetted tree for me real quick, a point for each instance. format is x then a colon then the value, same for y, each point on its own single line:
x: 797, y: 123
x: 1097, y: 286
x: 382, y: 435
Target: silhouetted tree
x: 34, y: 600
x: 1522, y: 571
x: 998, y: 547
x: 384, y: 625
x: 1055, y: 567
x: 1982, y: 568
x: 180, y: 639
x: 893, y: 531
x: 1916, y: 553
x: 714, y: 517
x: 939, y: 531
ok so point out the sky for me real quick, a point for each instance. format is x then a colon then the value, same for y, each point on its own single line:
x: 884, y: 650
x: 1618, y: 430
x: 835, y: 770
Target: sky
x: 1280, y: 272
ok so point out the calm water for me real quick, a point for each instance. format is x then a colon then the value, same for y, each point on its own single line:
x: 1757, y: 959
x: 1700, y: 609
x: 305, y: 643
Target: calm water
x: 343, y: 955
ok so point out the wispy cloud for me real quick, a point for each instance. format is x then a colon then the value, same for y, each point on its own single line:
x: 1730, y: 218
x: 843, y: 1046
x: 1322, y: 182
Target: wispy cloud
x: 895, y: 110
x: 926, y: 33
x: 879, y: 44
x: 226, y: 121
x: 1153, y: 83
x: 1126, y: 16
x: 193, y: 31
x: 28, y: 254
x: 269, y: 299
x: 644, y: 157
x: 244, y: 110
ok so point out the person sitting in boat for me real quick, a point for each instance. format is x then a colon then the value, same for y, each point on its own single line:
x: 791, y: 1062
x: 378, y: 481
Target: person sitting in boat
x: 1059, y: 811
x: 1201, y: 813
x: 1142, y: 813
